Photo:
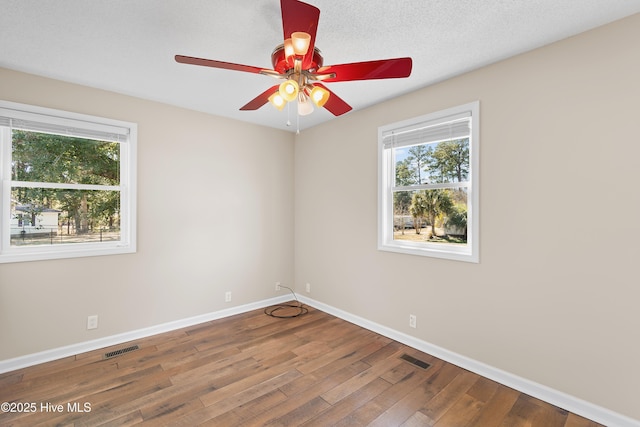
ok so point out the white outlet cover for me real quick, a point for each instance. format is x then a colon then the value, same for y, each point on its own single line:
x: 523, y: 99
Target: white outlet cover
x: 92, y: 322
x: 412, y: 320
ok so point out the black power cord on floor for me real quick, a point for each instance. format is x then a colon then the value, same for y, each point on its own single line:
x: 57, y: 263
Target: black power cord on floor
x: 273, y: 310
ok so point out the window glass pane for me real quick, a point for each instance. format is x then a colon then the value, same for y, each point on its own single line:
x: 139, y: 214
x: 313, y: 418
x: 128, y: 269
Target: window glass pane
x: 431, y: 216
x: 439, y: 162
x: 412, y: 164
x: 45, y: 216
x: 43, y: 157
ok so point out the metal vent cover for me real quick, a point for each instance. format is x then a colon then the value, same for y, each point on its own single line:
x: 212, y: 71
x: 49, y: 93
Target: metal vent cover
x: 417, y: 362
x: 115, y: 353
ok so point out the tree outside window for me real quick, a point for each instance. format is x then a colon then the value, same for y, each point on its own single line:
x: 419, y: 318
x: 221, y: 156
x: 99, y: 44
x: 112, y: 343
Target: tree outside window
x: 83, y: 215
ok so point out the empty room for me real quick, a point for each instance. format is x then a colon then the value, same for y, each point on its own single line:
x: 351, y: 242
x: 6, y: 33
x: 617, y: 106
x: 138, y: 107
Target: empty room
x: 319, y: 213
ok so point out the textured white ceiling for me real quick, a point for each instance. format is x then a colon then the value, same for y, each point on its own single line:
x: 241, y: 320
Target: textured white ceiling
x: 128, y: 46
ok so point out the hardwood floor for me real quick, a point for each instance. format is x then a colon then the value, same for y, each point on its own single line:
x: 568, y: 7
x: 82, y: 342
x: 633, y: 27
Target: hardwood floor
x: 256, y: 370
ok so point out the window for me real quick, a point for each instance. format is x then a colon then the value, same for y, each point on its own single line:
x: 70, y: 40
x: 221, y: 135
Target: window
x: 68, y: 184
x: 428, y: 185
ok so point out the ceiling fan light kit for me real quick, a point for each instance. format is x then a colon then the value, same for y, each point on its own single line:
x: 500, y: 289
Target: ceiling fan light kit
x: 288, y: 90
x: 288, y: 48
x: 277, y: 101
x: 300, y: 64
x: 300, y: 41
x: 304, y: 106
x: 319, y: 96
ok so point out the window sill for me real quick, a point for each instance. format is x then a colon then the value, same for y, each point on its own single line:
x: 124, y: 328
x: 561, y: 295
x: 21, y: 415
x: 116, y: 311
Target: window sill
x: 441, y: 251
x: 75, y: 251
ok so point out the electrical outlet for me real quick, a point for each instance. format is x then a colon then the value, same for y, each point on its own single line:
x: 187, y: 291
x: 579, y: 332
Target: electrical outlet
x: 308, y: 287
x: 92, y: 322
x: 412, y: 320
x: 277, y: 286
x: 227, y: 296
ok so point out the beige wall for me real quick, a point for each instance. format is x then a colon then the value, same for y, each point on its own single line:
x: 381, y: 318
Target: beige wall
x: 215, y: 214
x: 555, y: 296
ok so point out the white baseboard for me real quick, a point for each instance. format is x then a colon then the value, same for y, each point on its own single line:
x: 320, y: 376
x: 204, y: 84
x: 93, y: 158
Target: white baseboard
x: 557, y: 398
x: 547, y: 394
x: 83, y: 347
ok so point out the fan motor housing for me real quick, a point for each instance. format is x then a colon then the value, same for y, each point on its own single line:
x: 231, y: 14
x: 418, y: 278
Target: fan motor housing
x: 281, y: 64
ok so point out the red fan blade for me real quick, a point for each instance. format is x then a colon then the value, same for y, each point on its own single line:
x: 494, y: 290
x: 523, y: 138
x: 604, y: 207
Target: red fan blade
x: 260, y: 100
x: 218, y: 64
x: 299, y: 16
x: 369, y: 70
x: 335, y: 105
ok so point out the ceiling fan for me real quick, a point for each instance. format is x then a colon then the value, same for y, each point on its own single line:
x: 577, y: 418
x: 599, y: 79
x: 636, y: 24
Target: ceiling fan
x: 300, y: 64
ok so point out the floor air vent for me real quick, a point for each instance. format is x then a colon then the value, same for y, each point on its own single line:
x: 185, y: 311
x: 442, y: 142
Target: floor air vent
x: 419, y: 363
x: 119, y: 352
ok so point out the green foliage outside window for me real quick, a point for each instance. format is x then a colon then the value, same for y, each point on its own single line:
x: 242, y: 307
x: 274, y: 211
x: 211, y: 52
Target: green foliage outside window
x: 444, y: 208
x: 41, y: 159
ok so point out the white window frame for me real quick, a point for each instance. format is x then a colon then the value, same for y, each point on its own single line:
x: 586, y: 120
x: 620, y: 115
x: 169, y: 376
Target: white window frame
x: 84, y: 126
x: 386, y: 182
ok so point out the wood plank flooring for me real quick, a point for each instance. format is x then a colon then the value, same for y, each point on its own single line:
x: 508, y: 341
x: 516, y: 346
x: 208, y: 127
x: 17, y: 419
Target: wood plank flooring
x: 256, y: 370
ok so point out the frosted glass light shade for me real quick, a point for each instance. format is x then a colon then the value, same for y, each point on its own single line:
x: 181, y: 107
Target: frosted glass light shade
x: 277, y: 101
x: 304, y: 106
x: 319, y: 96
x: 288, y: 90
x: 288, y: 48
x: 301, y: 42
